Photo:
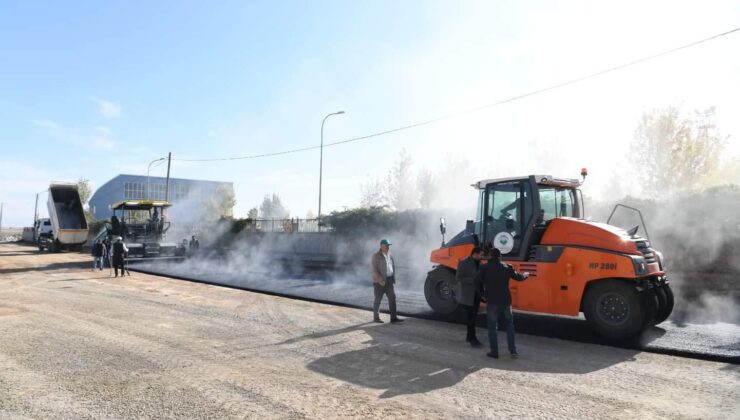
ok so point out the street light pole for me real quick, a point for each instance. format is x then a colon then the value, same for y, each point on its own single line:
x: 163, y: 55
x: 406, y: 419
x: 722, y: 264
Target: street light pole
x: 147, y: 175
x: 321, y: 163
x: 36, y: 213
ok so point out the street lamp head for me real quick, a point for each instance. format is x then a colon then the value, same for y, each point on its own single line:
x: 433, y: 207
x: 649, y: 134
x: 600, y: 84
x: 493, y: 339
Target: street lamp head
x: 340, y: 112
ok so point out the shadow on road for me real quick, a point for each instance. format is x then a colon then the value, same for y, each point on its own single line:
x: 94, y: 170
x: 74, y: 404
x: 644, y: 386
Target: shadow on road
x: 48, y: 267
x: 18, y: 253
x: 418, y: 363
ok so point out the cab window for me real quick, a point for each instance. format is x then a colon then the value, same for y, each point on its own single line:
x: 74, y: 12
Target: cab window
x: 508, y: 209
x: 557, y: 202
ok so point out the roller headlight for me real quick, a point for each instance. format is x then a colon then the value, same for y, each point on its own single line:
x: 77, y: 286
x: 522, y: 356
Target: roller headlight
x: 640, y: 265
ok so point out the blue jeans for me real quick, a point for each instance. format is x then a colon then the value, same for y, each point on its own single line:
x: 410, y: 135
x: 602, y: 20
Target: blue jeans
x: 494, y: 313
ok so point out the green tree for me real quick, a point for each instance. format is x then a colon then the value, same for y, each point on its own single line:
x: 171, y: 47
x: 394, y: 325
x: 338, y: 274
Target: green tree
x: 425, y: 183
x: 83, y: 187
x: 672, y: 153
x: 253, y: 213
x: 272, y: 208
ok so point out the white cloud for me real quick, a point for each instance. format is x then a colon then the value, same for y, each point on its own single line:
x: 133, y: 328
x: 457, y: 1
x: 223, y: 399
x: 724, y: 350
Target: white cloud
x: 101, y: 143
x: 107, y: 109
x: 99, y: 139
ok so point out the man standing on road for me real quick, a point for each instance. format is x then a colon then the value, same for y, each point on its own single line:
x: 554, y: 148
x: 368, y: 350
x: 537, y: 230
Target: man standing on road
x: 97, y: 254
x: 384, y: 278
x: 106, y: 254
x: 119, y: 252
x: 468, y: 291
x: 495, y: 279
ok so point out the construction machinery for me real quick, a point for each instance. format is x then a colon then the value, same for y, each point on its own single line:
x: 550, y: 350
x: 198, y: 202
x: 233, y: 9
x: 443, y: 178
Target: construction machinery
x: 143, y: 227
x: 612, y: 275
x: 67, y: 228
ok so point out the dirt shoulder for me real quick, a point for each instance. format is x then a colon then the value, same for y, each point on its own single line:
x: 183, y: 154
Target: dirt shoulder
x: 77, y: 343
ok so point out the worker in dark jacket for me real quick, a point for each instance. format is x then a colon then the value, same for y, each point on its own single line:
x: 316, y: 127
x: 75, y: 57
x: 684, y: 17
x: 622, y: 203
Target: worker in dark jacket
x: 97, y: 254
x: 119, y: 253
x: 495, y: 279
x: 468, y: 291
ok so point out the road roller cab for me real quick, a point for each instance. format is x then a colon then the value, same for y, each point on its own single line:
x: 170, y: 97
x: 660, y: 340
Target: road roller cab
x: 610, y: 274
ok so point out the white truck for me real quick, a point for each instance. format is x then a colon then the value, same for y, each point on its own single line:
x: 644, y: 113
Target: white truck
x: 42, y: 229
x: 67, y: 217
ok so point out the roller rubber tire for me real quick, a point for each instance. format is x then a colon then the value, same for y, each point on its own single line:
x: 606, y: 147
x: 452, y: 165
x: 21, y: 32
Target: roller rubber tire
x: 615, y: 309
x: 663, y: 305
x: 652, y: 306
x: 670, y: 300
x: 438, y: 290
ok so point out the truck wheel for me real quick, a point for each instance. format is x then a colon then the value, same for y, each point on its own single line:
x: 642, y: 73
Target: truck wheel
x: 52, y: 246
x: 669, y: 302
x: 438, y: 290
x: 614, y: 309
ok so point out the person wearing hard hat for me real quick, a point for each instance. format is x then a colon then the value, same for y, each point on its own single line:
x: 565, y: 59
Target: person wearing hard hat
x: 119, y: 252
x: 384, y: 279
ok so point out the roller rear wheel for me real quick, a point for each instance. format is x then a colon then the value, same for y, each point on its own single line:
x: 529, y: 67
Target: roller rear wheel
x: 615, y: 309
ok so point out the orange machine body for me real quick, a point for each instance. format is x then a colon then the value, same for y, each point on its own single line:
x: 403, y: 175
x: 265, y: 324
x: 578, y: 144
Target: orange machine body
x: 588, y: 251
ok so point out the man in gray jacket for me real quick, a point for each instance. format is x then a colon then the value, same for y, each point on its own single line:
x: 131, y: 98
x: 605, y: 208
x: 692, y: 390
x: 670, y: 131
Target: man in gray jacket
x: 384, y: 277
x: 468, y: 291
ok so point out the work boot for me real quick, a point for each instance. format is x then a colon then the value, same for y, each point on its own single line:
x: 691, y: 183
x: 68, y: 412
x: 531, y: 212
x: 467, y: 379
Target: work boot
x: 492, y: 355
x: 514, y: 355
x: 378, y: 321
x: 475, y: 343
x: 396, y: 320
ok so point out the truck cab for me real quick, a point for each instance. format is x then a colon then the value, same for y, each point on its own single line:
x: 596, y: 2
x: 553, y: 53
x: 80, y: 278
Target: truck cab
x: 42, y: 229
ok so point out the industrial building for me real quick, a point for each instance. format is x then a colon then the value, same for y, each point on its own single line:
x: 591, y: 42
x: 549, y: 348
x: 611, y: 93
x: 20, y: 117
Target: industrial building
x: 141, y: 187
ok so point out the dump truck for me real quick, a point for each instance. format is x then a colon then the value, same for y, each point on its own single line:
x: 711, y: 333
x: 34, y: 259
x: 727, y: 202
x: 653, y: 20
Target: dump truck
x: 143, y: 227
x: 611, y: 275
x: 67, y: 217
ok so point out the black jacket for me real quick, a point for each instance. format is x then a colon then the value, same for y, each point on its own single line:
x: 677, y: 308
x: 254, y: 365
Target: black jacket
x: 466, y: 287
x: 495, y: 278
x: 97, y: 249
x: 119, y: 251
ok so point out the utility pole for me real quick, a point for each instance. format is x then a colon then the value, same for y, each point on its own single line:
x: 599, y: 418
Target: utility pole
x: 36, y: 211
x: 1, y: 217
x: 321, y: 164
x: 167, y: 183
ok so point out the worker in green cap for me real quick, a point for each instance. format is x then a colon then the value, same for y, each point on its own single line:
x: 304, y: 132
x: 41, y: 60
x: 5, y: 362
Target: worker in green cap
x: 384, y: 278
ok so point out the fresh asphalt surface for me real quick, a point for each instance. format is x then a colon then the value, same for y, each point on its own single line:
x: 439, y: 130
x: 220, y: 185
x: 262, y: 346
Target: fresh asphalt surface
x: 711, y: 341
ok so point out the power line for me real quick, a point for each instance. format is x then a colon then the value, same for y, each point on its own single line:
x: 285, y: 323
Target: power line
x: 481, y: 107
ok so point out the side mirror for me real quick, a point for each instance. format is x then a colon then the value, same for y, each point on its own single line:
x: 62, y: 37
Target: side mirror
x: 442, y: 225
x: 469, y: 227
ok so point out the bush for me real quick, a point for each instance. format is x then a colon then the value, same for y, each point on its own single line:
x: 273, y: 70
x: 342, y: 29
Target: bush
x: 377, y: 220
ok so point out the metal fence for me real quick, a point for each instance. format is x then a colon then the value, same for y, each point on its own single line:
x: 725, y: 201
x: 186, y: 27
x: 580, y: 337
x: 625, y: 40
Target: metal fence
x: 285, y: 225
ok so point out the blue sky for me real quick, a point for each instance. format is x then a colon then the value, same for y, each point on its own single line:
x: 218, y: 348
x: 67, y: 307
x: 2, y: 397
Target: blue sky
x: 90, y: 89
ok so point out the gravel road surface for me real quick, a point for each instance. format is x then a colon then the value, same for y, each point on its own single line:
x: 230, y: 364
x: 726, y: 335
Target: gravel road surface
x: 79, y: 344
x: 708, y: 338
